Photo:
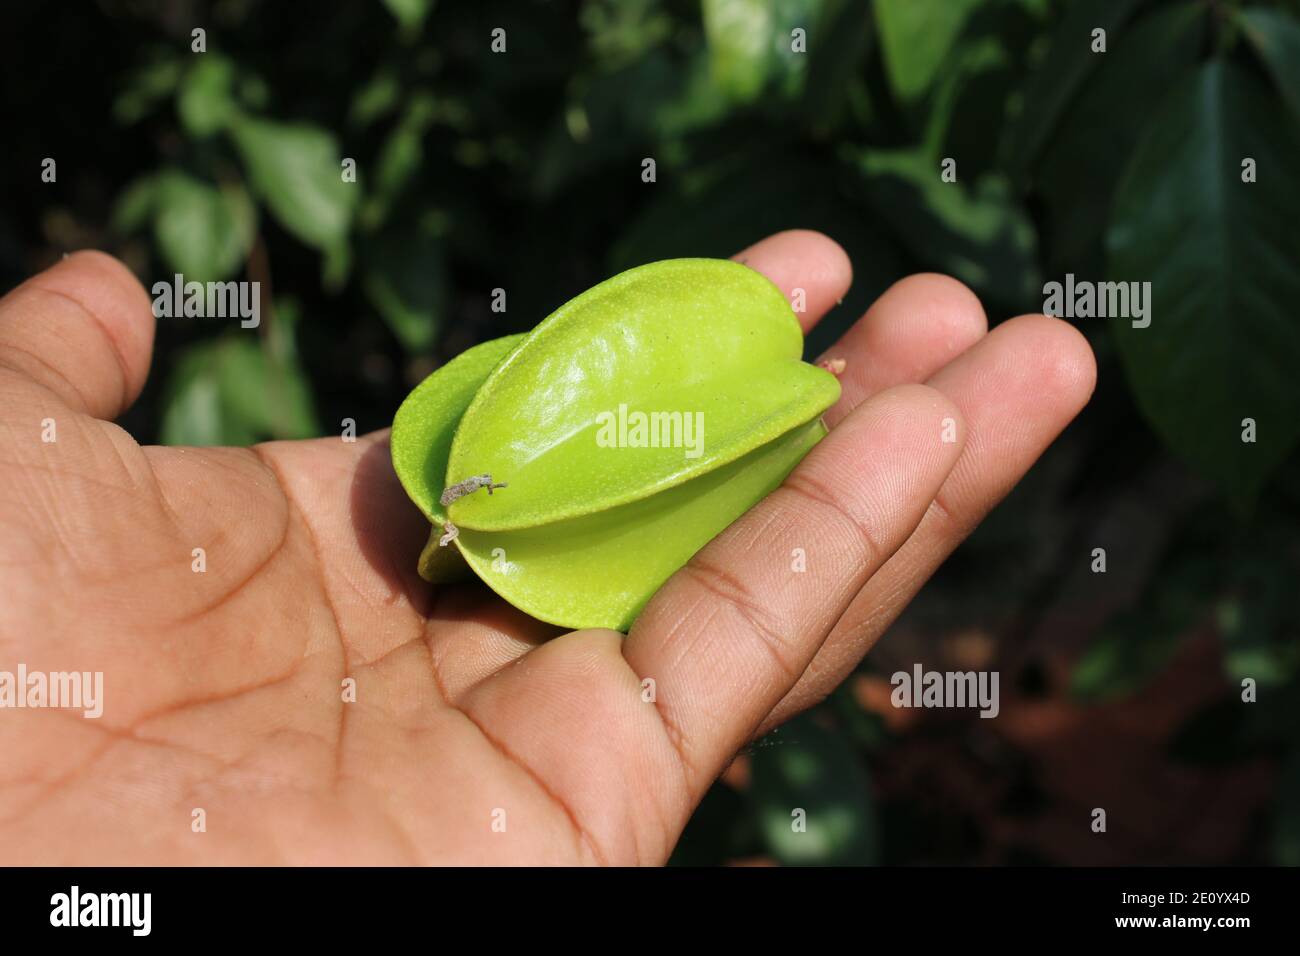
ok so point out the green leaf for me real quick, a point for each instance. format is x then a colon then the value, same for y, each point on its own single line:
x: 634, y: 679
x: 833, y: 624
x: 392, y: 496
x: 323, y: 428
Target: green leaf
x: 970, y: 96
x: 135, y: 205
x: 624, y: 31
x: 206, y: 100
x: 1137, y: 643
x: 297, y: 171
x: 1066, y: 64
x: 611, y: 113
x: 739, y: 34
x: 751, y: 45
x: 980, y: 235
x: 1254, y: 628
x: 231, y: 393
x: 239, y: 390
x: 145, y: 89
x: 406, y: 280
x: 254, y: 92
x: 375, y: 98
x: 1078, y: 170
x: 813, y: 798
x: 838, y: 47
x: 1223, y: 343
x: 915, y: 37
x: 193, y: 412
x: 273, y: 398
x: 410, y: 14
x: 336, y: 265
x: 203, y: 232
x: 400, y: 158
x: 1276, y: 36
x: 1125, y: 655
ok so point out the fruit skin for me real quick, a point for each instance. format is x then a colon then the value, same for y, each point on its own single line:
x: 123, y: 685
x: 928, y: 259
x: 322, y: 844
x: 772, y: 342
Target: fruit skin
x: 583, y: 534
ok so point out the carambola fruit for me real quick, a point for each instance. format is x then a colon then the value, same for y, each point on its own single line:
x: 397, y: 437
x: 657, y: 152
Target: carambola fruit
x: 576, y: 467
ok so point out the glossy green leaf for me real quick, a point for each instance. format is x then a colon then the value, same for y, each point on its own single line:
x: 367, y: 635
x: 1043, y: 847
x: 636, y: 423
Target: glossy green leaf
x: 1220, y: 254
x: 297, y: 171
x: 706, y: 344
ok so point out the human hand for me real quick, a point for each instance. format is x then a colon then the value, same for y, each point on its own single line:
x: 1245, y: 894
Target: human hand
x: 477, y: 734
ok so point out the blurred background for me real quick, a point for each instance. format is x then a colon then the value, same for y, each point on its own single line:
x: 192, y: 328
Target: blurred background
x: 522, y: 170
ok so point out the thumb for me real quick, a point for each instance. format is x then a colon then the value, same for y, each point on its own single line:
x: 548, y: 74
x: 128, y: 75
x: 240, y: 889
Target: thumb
x: 80, y: 332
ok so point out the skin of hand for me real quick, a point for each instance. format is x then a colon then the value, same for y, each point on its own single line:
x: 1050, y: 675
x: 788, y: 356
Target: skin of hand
x: 477, y: 735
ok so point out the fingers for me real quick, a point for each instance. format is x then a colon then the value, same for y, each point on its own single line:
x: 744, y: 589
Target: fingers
x: 915, y: 328
x: 800, y: 259
x: 82, y: 332
x: 1017, y: 389
x: 727, y: 637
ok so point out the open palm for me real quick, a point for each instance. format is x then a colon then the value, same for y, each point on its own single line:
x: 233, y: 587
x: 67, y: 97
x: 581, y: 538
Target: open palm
x: 306, y: 698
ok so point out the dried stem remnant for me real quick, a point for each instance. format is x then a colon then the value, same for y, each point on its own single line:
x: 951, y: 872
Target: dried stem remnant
x: 460, y: 490
x: 468, y: 486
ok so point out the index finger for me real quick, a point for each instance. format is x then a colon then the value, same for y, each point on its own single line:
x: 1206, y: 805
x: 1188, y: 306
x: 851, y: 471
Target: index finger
x: 810, y: 268
x: 728, y: 636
